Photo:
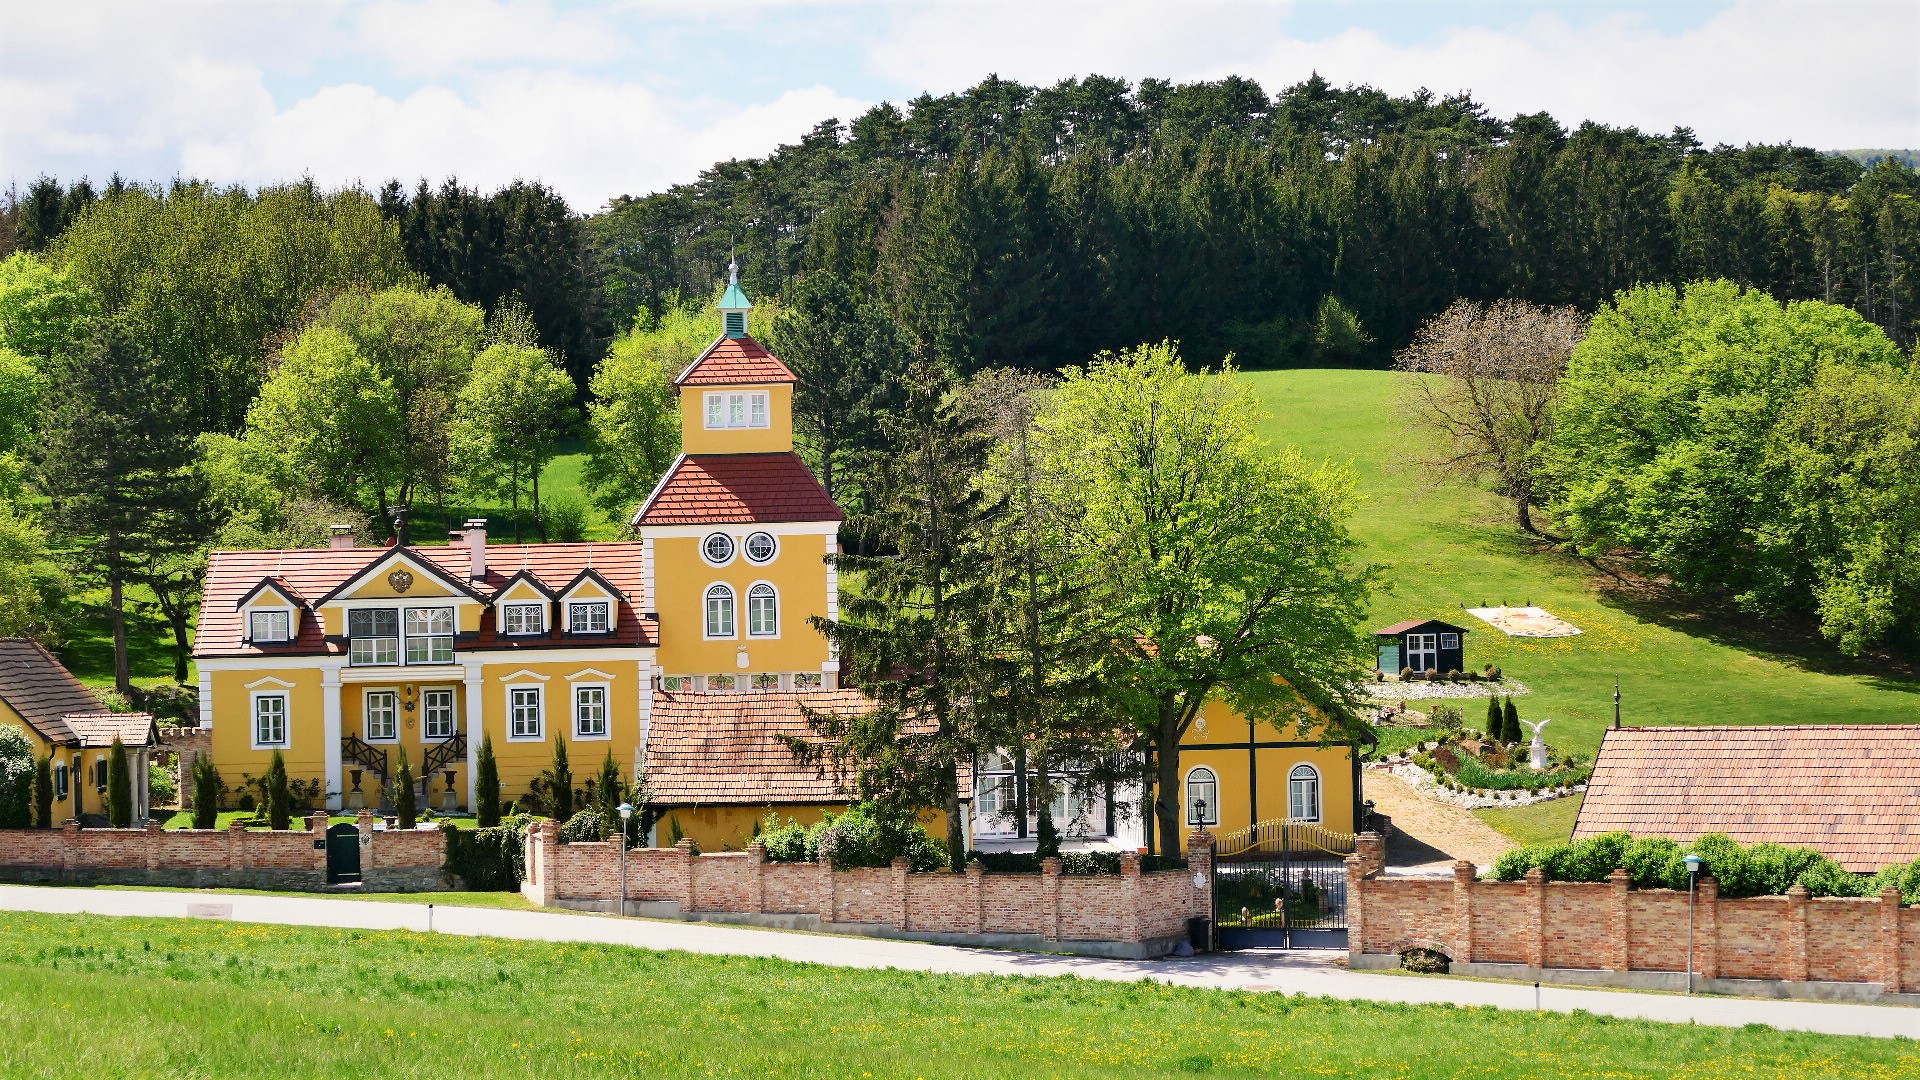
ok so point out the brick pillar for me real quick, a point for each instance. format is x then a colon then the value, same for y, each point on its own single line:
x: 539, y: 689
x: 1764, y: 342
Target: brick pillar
x: 1465, y: 877
x: 236, y: 845
x: 1797, y: 898
x: 1372, y: 849
x: 977, y: 910
x: 1617, y: 926
x: 828, y: 894
x: 1050, y: 889
x: 151, y: 834
x: 1536, y: 918
x: 756, y: 882
x: 1707, y: 933
x: 1200, y: 863
x: 1890, y: 940
x: 1356, y: 906
x: 364, y: 822
x: 70, y: 839
x: 1130, y: 895
x: 686, y: 856
x: 184, y: 782
x: 317, y: 825
x: 902, y: 866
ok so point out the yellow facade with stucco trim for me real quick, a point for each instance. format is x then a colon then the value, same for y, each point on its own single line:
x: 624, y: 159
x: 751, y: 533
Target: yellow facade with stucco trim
x: 798, y: 574
x: 776, y: 438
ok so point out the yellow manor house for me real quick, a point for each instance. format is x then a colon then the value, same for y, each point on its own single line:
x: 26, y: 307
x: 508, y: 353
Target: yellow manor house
x: 687, y: 653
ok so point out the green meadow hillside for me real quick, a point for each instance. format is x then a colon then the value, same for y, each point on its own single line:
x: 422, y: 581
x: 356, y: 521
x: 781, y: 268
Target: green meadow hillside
x: 1448, y: 546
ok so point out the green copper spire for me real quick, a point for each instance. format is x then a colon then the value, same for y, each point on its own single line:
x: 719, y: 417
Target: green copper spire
x: 734, y: 304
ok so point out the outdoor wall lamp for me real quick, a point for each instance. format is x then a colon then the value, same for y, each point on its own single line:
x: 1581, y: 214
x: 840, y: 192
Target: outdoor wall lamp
x: 409, y: 697
x: 1693, y: 878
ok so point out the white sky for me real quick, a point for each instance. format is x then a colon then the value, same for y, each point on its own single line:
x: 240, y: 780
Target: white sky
x: 628, y: 97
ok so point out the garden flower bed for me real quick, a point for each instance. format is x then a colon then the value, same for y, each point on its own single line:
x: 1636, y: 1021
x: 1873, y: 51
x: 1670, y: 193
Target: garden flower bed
x: 1466, y: 769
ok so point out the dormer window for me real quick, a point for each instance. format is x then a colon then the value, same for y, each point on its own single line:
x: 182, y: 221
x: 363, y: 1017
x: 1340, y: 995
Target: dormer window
x: 589, y: 617
x: 737, y: 409
x: 521, y: 619
x: 269, y: 625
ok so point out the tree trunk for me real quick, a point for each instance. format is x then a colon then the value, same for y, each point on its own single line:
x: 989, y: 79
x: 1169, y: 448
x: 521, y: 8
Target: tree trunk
x: 956, y: 829
x: 177, y: 618
x: 116, y: 601
x: 1523, y: 511
x: 1166, y: 802
x: 539, y: 520
x: 1020, y: 791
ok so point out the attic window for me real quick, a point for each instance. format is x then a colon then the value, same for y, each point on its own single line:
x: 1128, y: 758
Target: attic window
x: 736, y: 409
x: 270, y: 624
x: 736, y: 323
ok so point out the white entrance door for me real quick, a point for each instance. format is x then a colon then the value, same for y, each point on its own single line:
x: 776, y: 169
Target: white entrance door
x: 1422, y: 652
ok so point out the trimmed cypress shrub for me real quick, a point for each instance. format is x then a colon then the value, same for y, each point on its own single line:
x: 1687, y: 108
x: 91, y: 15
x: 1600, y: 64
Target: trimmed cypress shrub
x: 119, y: 787
x: 43, y: 792
x: 1512, y: 717
x: 1496, y: 724
x: 562, y: 780
x: 486, y: 810
x: 278, y: 800
x: 206, y: 793
x: 404, y: 805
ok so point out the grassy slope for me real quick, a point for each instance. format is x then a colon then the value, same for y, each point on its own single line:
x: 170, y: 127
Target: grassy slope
x: 1453, y: 546
x: 322, y: 1002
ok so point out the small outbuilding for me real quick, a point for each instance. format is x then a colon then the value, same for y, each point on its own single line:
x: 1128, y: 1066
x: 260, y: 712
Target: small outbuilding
x: 1425, y: 645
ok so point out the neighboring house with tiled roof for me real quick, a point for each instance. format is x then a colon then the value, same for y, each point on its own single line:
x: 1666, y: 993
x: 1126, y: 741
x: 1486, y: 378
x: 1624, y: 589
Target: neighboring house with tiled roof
x: 64, y: 719
x: 1852, y: 791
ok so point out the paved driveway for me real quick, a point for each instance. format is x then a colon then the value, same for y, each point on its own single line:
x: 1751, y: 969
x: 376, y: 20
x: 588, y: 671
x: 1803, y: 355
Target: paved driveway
x: 1309, y: 973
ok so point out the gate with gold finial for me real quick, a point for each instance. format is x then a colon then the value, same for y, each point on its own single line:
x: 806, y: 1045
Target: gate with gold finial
x: 1281, y: 884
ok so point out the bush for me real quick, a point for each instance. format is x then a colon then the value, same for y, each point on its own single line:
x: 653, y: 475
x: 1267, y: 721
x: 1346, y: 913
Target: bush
x: 1475, y: 774
x: 563, y: 520
x: 1905, y: 878
x: 789, y: 842
x: 16, y: 778
x: 863, y: 837
x: 488, y: 860
x: 1406, y: 674
x: 584, y: 827
x: 170, y: 702
x: 1446, y: 719
x: 162, y: 789
x: 1425, y: 961
x: 1659, y: 863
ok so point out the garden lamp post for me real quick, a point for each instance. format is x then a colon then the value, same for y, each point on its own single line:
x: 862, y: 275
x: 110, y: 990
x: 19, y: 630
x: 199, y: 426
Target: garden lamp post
x: 1693, y: 879
x: 626, y: 813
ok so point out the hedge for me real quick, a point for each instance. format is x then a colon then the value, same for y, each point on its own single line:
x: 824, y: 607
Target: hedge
x: 1660, y: 863
x: 492, y: 859
x: 1078, y: 863
x: 858, y: 837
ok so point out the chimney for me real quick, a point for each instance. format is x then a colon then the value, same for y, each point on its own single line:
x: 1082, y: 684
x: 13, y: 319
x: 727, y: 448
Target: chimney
x: 342, y: 536
x: 476, y: 530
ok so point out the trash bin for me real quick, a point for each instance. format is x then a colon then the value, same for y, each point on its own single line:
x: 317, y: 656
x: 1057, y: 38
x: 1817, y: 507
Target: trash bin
x: 1200, y: 934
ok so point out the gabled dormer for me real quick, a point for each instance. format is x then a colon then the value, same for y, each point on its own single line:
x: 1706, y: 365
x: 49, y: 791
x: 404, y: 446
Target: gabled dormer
x: 523, y: 606
x: 269, y: 613
x: 400, y: 609
x: 589, y: 605
x: 736, y: 397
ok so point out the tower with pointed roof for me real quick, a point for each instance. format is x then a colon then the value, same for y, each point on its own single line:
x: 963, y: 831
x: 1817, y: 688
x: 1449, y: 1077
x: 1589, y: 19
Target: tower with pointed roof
x: 738, y: 532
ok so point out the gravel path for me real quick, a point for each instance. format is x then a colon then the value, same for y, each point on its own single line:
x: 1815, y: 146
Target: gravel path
x: 1430, y: 835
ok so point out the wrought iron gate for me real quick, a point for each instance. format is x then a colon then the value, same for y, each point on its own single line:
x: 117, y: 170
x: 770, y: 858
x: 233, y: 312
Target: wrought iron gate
x: 1281, y: 885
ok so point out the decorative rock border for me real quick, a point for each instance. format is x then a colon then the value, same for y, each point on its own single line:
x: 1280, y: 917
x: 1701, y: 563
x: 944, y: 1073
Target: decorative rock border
x: 1424, y: 782
x: 1421, y: 691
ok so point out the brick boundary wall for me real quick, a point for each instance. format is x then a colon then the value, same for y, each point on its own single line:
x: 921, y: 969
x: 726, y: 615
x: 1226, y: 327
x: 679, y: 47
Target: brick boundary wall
x: 1132, y: 914
x: 1607, y: 934
x: 234, y: 857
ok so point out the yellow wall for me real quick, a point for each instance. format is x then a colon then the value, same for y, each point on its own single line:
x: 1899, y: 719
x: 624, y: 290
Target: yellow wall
x: 731, y: 828
x: 83, y: 796
x: 520, y: 762
x: 776, y: 437
x: 681, y: 579
x: 232, y: 745
x: 1236, y: 770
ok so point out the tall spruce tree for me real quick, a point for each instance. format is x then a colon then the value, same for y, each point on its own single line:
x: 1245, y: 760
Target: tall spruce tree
x: 1511, y: 715
x: 115, y: 457
x: 606, y: 796
x: 43, y: 792
x: 561, y: 776
x: 405, y: 802
x: 279, y: 801
x: 915, y: 634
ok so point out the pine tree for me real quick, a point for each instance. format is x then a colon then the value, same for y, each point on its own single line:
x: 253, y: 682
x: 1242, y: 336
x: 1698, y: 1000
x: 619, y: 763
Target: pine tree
x: 562, y: 776
x: 486, y: 808
x: 116, y: 457
x: 606, y: 791
x: 43, y: 792
x: 279, y: 809
x: 405, y: 806
x: 206, y: 793
x: 1512, y: 717
x: 915, y: 632
x: 119, y: 787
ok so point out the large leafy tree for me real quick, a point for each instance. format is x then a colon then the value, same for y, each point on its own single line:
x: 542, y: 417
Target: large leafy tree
x: 508, y: 423
x: 43, y: 310
x: 914, y: 633
x: 1229, y: 566
x: 115, y: 456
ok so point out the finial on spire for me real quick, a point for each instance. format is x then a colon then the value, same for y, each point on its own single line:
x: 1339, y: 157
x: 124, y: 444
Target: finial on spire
x: 734, y: 304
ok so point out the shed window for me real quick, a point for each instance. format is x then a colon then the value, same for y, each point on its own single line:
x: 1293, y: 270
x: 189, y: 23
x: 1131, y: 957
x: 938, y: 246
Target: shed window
x: 1303, y: 793
x: 1449, y: 641
x: 1203, y: 797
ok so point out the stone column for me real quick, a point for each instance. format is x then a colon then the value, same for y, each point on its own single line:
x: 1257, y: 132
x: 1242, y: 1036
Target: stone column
x: 1130, y: 895
x: 1465, y: 877
x: 1536, y: 918
x: 1617, y: 920
x: 686, y: 856
x: 330, y: 783
x: 475, y: 725
x: 902, y: 867
x: 1050, y: 888
x: 976, y: 895
x: 756, y: 881
x: 1797, y: 898
x: 1707, y: 930
x: 1890, y: 940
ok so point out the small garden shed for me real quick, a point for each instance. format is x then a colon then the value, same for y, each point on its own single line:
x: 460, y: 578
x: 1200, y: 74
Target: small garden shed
x: 1423, y: 645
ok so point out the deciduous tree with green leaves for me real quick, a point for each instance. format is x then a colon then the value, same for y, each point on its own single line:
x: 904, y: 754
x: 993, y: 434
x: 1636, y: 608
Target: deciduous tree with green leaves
x: 511, y: 415
x: 16, y: 778
x: 1231, y: 567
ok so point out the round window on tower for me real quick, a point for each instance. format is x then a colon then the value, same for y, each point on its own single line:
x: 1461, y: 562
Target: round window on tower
x: 718, y: 549
x: 761, y: 547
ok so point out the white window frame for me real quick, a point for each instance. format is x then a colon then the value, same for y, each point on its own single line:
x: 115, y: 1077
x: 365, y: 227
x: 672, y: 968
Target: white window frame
x: 408, y: 637
x: 285, y: 613
x: 606, y: 712
x: 62, y: 781
x: 1293, y: 780
x: 733, y: 410
x: 746, y: 547
x: 366, y: 714
x: 427, y: 733
x: 539, y: 712
x: 286, y: 719
x: 1212, y: 780
x: 765, y: 590
x: 733, y: 548
x: 707, y: 598
x: 676, y: 684
x: 354, y: 656
x: 603, y: 603
x: 539, y: 618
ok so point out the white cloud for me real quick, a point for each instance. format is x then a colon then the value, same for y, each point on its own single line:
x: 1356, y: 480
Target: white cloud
x: 428, y: 36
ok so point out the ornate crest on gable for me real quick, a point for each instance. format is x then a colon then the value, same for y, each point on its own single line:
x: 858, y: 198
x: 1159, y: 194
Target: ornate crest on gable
x: 401, y: 581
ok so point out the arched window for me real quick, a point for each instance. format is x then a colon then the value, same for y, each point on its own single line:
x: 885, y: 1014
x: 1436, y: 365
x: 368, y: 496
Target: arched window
x: 1203, y: 797
x: 719, y: 612
x: 763, y: 611
x: 1303, y: 793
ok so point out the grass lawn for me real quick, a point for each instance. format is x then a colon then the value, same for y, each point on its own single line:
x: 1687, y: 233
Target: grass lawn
x: 501, y: 901
x: 196, y: 998
x: 1452, y: 546
x: 1541, y: 823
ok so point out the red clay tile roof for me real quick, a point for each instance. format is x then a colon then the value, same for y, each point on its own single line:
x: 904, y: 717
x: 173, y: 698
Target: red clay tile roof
x: 1851, y: 791
x: 735, y: 361
x: 98, y: 729
x: 40, y: 688
x: 724, y: 747
x: 317, y: 571
x: 716, y: 489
